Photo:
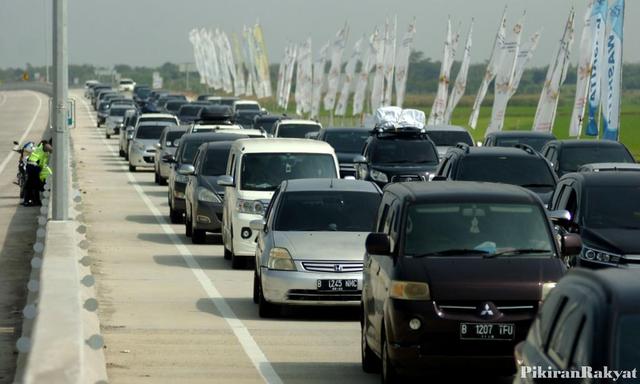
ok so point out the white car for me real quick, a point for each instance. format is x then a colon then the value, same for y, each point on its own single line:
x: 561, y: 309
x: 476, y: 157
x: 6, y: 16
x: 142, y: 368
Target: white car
x: 246, y: 105
x: 126, y: 85
x: 256, y: 167
x: 298, y: 129
x: 142, y: 148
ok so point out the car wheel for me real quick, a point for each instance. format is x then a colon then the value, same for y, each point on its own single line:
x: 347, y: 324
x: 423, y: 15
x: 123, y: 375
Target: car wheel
x: 161, y: 180
x: 370, y: 361
x: 188, y: 229
x: 265, y: 308
x: 198, y: 236
x: 237, y: 262
x: 106, y: 135
x: 227, y: 253
x: 256, y: 288
x: 155, y: 177
x: 175, y: 216
x: 389, y: 374
x: 132, y: 168
x: 121, y: 153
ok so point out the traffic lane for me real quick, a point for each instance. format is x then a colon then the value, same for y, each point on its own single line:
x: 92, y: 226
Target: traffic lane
x: 152, y: 327
x: 18, y: 112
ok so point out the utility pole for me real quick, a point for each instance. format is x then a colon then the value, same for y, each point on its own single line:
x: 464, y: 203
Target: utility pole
x: 60, y: 191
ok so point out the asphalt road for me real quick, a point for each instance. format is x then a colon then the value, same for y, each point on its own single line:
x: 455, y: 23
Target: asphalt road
x: 23, y: 117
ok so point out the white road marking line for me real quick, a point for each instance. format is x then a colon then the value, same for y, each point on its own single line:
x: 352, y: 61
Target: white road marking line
x: 250, y: 346
x: 24, y: 135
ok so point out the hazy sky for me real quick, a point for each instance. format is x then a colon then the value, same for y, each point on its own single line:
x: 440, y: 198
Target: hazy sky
x: 151, y: 32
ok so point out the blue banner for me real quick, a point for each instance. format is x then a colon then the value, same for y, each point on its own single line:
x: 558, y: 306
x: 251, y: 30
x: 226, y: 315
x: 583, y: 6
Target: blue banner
x: 611, y: 104
x: 598, y: 24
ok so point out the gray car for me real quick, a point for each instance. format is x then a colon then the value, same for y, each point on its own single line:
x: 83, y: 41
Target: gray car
x: 203, y: 195
x: 310, y: 244
x: 142, y: 148
x: 115, y: 120
x: 167, y: 146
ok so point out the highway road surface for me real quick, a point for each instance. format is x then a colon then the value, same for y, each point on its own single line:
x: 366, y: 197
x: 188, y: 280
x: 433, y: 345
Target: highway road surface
x: 175, y: 312
x: 23, y: 117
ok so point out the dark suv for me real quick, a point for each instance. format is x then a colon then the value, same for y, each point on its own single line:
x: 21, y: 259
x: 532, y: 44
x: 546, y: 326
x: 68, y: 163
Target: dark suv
x: 396, y: 155
x: 348, y: 143
x: 590, y: 319
x: 605, y: 209
x: 520, y: 165
x: 453, y: 276
x: 535, y: 140
x: 569, y: 155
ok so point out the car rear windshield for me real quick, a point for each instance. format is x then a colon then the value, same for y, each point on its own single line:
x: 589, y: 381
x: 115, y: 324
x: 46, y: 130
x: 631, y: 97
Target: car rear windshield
x: 172, y: 136
x: 327, y: 211
x: 265, y: 171
x: 449, y: 138
x: 441, y: 229
x: 529, y: 172
x: 534, y: 142
x: 247, y: 107
x: 401, y: 151
x: 628, y: 353
x: 158, y: 119
x: 266, y: 124
x: 296, y: 131
x: 143, y: 92
x: 347, y: 141
x: 572, y: 158
x: 215, y: 162
x: 118, y: 111
x: 613, y: 207
x: 149, y: 132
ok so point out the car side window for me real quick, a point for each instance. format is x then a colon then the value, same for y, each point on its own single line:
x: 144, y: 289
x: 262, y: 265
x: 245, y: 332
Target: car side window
x: 557, y: 195
x: 274, y: 199
x: 232, y: 166
x: 564, y: 333
x: 572, y: 202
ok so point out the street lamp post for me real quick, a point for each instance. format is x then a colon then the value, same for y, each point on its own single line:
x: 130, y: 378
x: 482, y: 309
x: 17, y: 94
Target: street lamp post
x: 60, y: 190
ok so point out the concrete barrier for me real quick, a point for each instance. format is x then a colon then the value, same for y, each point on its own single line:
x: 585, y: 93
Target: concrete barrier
x: 61, y: 341
x: 46, y: 88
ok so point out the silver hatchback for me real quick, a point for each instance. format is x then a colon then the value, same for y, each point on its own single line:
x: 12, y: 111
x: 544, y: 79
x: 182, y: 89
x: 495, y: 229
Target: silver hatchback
x: 310, y: 244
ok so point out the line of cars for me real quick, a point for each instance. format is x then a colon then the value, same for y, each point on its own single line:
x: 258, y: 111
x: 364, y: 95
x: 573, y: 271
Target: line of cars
x: 462, y: 244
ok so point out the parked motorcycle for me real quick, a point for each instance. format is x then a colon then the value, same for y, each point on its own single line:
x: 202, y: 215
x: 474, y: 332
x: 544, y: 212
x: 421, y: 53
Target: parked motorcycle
x: 24, y: 151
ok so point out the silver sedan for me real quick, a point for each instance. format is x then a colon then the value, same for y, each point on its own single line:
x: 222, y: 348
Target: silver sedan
x: 310, y: 244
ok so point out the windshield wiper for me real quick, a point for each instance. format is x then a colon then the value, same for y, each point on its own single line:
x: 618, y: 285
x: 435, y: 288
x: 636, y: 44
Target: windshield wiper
x: 516, y: 252
x: 452, y: 252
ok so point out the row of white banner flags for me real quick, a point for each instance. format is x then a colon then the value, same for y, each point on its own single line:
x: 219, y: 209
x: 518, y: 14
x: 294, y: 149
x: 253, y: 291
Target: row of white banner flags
x: 238, y: 66
x: 383, y: 62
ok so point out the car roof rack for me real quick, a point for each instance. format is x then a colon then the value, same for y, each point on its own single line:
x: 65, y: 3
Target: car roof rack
x: 394, y: 130
x: 526, y: 148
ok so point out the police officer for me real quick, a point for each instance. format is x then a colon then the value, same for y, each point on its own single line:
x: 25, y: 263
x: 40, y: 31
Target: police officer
x: 36, y: 162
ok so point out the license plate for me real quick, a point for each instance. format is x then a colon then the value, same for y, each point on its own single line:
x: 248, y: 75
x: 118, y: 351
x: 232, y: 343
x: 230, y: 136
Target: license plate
x: 486, y: 331
x: 338, y: 285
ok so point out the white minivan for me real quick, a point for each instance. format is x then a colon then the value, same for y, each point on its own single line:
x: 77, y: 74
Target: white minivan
x: 256, y: 167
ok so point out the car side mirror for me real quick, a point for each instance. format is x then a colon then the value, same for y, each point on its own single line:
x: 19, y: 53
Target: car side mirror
x: 186, y: 169
x: 378, y: 244
x: 571, y: 244
x: 158, y: 145
x: 560, y: 214
x: 169, y: 158
x: 258, y: 225
x: 439, y: 178
x: 226, y: 181
x: 359, y: 159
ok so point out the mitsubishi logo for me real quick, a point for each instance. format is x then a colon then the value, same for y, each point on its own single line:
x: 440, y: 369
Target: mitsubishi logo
x: 486, y: 311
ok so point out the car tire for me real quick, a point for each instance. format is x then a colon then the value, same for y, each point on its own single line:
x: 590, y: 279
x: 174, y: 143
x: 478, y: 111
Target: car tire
x: 370, y: 361
x: 121, y: 153
x: 188, y: 228
x: 198, y: 236
x: 175, y: 216
x: 389, y: 374
x: 237, y: 262
x: 155, y: 177
x: 107, y: 136
x: 161, y: 180
x: 227, y: 253
x: 265, y: 308
x: 256, y: 288
x: 132, y: 168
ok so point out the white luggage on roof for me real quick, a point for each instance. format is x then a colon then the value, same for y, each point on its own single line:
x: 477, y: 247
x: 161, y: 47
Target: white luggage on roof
x: 398, y: 117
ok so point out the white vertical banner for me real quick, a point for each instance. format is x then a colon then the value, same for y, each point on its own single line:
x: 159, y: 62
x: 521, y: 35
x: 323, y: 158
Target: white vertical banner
x: 598, y: 32
x: 253, y: 65
x: 548, y: 104
x: 230, y: 62
x: 222, y: 62
x: 525, y: 54
x: 505, y: 77
x: 280, y: 83
x: 239, y: 85
x: 215, y: 79
x: 389, y: 62
x: 262, y: 61
x: 368, y: 60
x: 337, y: 50
x: 196, y: 54
x: 297, y: 93
x: 306, y: 77
x: 402, y: 63
x: 460, y: 84
x: 289, y: 76
x: 490, y: 72
x: 318, y: 80
x: 249, y: 66
x: 349, y: 73
x: 613, y: 89
x: 584, y: 72
x: 436, y: 116
x: 378, y: 76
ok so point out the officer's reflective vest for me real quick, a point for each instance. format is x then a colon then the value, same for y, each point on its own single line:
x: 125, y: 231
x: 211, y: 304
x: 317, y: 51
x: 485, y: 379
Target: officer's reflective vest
x: 36, y: 156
